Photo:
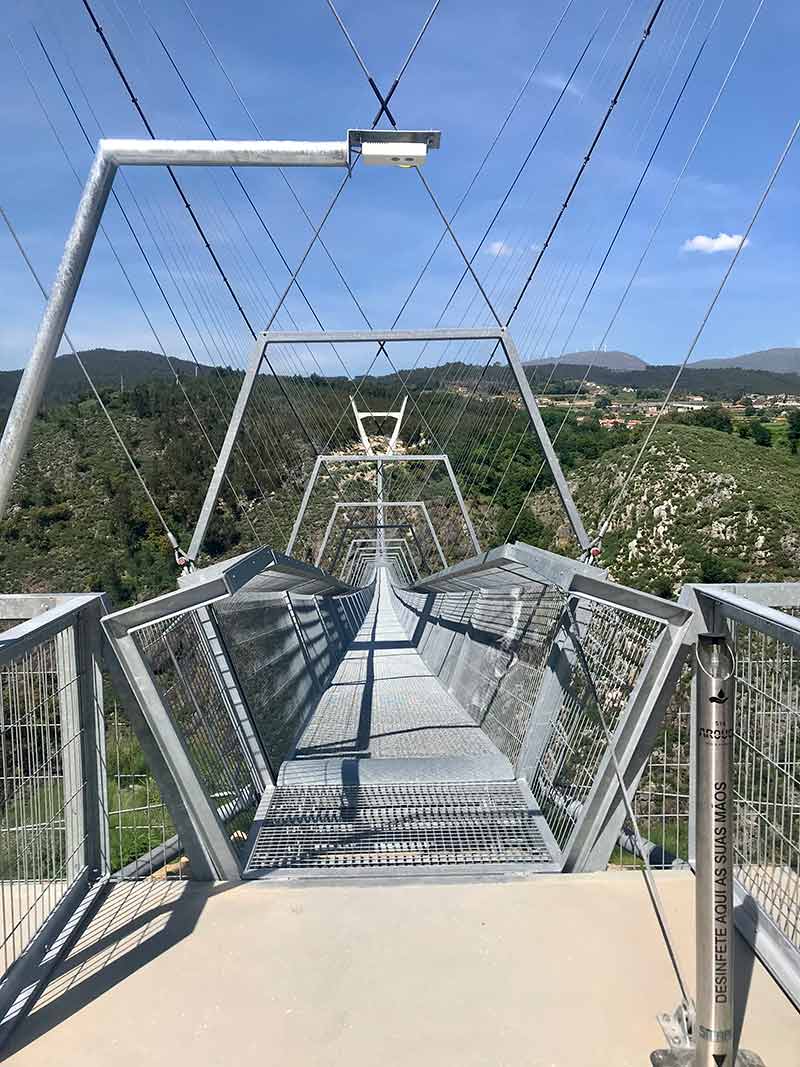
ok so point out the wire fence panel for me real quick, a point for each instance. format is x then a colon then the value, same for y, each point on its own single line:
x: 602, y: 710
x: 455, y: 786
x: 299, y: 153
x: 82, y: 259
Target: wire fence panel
x: 516, y: 633
x: 142, y: 838
x: 662, y: 801
x: 617, y: 644
x: 41, y: 843
x: 284, y: 651
x: 53, y: 844
x: 182, y: 663
x: 767, y: 775
x: 503, y: 649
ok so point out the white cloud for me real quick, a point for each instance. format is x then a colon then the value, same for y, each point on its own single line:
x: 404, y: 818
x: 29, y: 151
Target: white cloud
x: 499, y: 248
x: 723, y: 242
x: 557, y: 82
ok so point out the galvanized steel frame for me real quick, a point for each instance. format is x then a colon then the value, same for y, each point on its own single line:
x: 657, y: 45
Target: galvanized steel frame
x: 376, y: 458
x: 599, y: 819
x: 195, y: 816
x: 339, y: 506
x: 498, y: 334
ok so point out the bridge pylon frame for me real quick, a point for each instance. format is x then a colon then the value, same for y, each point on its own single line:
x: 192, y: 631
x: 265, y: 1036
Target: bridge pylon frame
x: 498, y: 334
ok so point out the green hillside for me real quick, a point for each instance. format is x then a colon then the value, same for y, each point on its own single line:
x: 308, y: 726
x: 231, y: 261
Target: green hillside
x: 703, y: 506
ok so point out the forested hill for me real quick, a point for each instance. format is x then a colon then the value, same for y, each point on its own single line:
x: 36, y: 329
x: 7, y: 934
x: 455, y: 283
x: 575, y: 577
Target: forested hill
x: 108, y: 368
x: 111, y: 369
x: 704, y: 505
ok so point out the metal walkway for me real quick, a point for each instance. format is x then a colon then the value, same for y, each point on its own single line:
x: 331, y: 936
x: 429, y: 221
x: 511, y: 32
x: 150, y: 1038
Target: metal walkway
x: 390, y: 771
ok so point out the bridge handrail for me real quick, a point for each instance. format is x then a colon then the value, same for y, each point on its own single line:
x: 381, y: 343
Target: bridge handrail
x: 525, y: 590
x: 766, y: 766
x: 176, y: 662
x: 54, y: 851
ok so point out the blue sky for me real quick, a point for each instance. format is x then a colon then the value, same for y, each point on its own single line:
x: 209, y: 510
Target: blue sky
x: 298, y: 77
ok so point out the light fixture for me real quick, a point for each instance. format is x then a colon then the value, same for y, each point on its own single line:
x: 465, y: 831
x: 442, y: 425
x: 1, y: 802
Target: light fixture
x: 393, y: 148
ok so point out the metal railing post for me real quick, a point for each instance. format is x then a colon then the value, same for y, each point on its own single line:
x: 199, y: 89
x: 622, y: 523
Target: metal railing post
x: 713, y: 1040
x: 716, y: 695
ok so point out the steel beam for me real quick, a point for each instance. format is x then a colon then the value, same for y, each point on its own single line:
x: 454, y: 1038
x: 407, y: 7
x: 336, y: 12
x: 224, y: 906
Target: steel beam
x: 539, y: 428
x: 497, y: 334
x: 112, y: 154
x: 389, y: 457
x: 340, y: 505
x: 225, y: 453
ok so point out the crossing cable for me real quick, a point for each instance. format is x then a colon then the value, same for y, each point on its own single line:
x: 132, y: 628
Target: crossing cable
x: 140, y: 477
x: 316, y: 235
x: 407, y: 60
x: 448, y: 223
x: 479, y: 170
x: 147, y: 262
x: 240, y: 183
x: 665, y: 127
x: 280, y: 170
x: 468, y: 189
x: 448, y: 227
x: 706, y: 316
x: 504, y: 200
x: 587, y: 158
x: 198, y: 226
x: 384, y: 108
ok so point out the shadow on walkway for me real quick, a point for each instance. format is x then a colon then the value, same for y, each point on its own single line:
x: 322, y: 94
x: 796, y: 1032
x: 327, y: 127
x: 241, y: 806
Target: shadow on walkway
x: 136, y: 923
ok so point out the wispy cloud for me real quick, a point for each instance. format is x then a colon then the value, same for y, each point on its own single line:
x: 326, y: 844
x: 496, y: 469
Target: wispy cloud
x: 723, y: 242
x: 557, y: 82
x: 499, y: 248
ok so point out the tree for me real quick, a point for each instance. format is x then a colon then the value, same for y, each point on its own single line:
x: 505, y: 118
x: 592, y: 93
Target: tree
x: 713, y: 418
x: 602, y: 402
x: 793, y: 431
x: 761, y: 434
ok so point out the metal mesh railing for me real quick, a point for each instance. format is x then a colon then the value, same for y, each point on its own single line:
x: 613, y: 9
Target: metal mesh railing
x: 41, y: 835
x: 662, y: 800
x: 181, y: 660
x: 766, y: 776
x: 284, y: 650
x: 504, y: 681
x: 505, y: 654
x: 52, y: 817
x: 142, y: 838
x: 616, y: 643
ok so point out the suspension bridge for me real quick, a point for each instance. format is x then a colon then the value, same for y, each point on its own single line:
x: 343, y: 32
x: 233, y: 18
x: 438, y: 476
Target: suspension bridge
x: 380, y: 777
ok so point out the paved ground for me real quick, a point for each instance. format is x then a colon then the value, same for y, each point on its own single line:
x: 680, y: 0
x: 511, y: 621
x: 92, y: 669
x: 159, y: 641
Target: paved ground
x: 383, y: 702
x: 556, y: 971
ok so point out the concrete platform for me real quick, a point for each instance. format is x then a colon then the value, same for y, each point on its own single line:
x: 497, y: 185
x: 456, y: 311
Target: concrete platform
x: 554, y: 971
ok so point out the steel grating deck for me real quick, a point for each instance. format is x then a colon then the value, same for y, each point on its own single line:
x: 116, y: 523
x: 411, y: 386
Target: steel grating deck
x: 391, y: 772
x: 399, y: 825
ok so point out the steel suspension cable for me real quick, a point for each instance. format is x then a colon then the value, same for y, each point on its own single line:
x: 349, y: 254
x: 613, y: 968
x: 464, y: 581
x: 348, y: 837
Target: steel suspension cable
x: 698, y: 333
x: 589, y: 153
x: 150, y: 268
x: 609, y: 249
x: 184, y: 199
x: 139, y: 476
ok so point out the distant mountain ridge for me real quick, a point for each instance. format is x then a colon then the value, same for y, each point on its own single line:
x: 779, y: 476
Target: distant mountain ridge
x: 612, y: 360
x: 774, y: 370
x: 778, y: 360
x: 774, y: 360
